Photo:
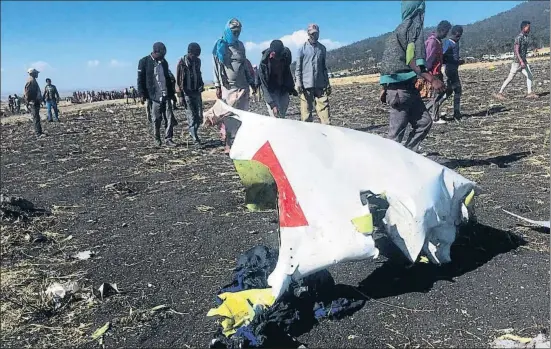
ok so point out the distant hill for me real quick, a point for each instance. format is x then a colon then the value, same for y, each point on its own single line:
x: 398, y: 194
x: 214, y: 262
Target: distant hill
x: 493, y: 35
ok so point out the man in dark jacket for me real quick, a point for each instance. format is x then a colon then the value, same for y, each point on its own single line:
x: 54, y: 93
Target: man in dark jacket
x: 403, y: 60
x: 33, y: 98
x: 51, y: 97
x: 154, y: 85
x: 276, y: 78
x: 434, y: 63
x: 190, y: 86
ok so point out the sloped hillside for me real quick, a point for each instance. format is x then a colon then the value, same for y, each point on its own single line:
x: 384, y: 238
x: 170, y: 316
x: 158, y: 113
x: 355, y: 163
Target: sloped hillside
x: 490, y: 36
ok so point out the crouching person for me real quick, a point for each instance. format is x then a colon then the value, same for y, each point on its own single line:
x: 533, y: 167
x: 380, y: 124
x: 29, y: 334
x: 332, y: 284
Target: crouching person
x: 276, y: 78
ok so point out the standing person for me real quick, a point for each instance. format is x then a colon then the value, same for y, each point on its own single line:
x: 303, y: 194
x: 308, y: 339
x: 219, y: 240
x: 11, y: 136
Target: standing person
x: 434, y: 62
x: 276, y: 78
x: 10, y: 104
x: 126, y: 94
x: 256, y: 85
x: 312, y: 78
x: 452, y: 61
x: 33, y: 97
x: 403, y: 60
x: 16, y: 104
x: 133, y: 93
x: 190, y: 86
x: 520, y: 63
x: 154, y: 84
x: 51, y: 97
x: 232, y: 77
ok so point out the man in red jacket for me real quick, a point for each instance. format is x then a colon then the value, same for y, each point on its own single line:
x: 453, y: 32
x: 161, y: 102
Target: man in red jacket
x: 435, y: 59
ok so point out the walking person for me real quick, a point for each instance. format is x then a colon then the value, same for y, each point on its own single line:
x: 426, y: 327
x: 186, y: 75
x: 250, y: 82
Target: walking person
x: 312, y: 78
x: 190, y: 86
x: 33, y: 97
x: 276, y: 78
x: 51, y: 97
x: 154, y: 84
x: 434, y: 62
x: 452, y: 61
x: 520, y: 63
x: 403, y: 60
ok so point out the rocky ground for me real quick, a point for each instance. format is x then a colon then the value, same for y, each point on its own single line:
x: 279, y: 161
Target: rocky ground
x: 166, y: 225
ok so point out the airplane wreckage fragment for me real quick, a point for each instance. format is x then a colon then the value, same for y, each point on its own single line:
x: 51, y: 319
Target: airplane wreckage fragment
x: 334, y: 185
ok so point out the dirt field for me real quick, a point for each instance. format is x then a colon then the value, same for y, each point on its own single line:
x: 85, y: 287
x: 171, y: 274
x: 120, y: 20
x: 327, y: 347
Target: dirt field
x: 166, y: 226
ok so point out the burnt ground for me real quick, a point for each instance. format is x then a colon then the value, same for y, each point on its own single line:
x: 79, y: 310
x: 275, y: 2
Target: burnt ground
x: 166, y: 225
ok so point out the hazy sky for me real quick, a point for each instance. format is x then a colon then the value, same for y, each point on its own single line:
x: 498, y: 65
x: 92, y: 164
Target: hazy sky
x: 96, y: 44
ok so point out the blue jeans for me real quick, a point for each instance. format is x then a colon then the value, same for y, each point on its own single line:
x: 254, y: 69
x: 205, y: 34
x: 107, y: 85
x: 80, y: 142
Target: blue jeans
x: 49, y: 105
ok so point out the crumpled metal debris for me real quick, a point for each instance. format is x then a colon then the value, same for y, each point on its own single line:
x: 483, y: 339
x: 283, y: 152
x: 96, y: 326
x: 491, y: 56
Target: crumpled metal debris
x: 107, y: 289
x: 57, y: 292
x: 512, y: 341
x: 545, y: 224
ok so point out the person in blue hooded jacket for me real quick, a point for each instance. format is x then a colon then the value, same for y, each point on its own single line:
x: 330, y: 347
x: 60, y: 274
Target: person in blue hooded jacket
x: 232, y: 77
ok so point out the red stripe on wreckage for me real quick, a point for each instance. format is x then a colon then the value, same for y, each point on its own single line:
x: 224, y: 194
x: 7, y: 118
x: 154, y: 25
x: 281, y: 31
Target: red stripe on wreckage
x: 290, y: 212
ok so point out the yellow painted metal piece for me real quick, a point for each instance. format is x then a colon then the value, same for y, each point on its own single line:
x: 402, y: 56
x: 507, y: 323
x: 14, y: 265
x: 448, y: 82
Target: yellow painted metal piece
x: 237, y: 307
x: 260, y: 186
x: 364, y: 224
x: 469, y: 198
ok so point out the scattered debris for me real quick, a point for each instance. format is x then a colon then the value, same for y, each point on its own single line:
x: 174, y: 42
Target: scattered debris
x: 98, y: 334
x: 84, y: 255
x: 545, y: 224
x: 512, y: 341
x: 107, y: 289
x: 60, y: 293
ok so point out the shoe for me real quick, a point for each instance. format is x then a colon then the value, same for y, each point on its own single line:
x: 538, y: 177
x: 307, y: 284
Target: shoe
x: 532, y: 96
x: 158, y: 142
x: 440, y: 121
x: 170, y: 143
x: 50, y: 120
x: 41, y: 136
x: 57, y: 120
x: 500, y: 96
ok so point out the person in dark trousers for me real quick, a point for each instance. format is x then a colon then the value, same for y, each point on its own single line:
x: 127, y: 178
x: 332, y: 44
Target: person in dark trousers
x: 154, y: 84
x: 520, y: 63
x: 51, y: 97
x: 16, y: 104
x: 33, y: 98
x: 403, y: 60
x: 434, y: 63
x: 452, y: 61
x: 256, y: 86
x: 276, y: 78
x: 190, y: 86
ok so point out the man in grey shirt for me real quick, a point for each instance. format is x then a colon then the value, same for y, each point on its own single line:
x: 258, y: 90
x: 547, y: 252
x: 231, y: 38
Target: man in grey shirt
x: 312, y: 78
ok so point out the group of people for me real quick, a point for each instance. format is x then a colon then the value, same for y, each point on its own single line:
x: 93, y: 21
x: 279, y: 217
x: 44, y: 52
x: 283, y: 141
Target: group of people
x: 411, y: 69
x: 35, y: 98
x: 14, y: 104
x: 407, y: 59
x: 93, y: 96
x: 234, y: 80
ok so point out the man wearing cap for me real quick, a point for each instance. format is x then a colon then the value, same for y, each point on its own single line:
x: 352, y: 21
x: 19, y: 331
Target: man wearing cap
x: 33, y: 97
x: 403, y: 60
x: 189, y: 81
x: 312, y: 78
x: 51, y: 97
x: 276, y: 78
x: 154, y: 84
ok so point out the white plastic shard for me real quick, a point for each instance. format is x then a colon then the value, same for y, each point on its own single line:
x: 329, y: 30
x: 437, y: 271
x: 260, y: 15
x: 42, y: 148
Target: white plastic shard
x: 545, y: 224
x: 320, y: 172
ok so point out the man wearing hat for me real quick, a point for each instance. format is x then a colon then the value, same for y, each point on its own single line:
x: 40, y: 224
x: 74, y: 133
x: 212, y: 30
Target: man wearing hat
x: 312, y: 78
x: 33, y: 97
x: 276, y: 78
x: 189, y: 81
x: 403, y: 60
x: 154, y: 84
